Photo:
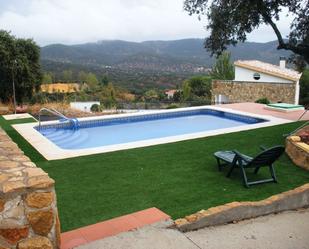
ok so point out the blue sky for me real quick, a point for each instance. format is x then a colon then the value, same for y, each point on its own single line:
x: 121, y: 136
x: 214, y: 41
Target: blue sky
x: 80, y: 21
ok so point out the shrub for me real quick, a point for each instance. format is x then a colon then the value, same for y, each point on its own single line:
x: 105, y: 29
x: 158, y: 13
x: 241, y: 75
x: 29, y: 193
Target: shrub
x: 172, y: 106
x: 95, y: 108
x: 263, y: 101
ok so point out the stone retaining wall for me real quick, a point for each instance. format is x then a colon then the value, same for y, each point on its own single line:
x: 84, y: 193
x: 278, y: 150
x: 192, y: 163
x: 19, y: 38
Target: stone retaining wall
x: 298, y: 151
x: 235, y: 211
x: 28, y: 207
x: 237, y: 91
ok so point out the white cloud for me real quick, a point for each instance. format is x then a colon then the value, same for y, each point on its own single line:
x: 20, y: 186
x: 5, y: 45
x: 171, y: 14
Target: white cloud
x: 79, y: 21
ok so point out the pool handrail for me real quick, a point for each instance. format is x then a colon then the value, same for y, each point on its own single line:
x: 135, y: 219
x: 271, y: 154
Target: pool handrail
x: 56, y: 113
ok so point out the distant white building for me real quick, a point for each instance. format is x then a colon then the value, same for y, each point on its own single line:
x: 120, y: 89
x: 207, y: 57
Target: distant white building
x: 256, y: 79
x: 170, y: 93
x: 83, y: 106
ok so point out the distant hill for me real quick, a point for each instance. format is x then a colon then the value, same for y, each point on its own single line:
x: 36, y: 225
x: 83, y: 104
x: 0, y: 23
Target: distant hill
x: 173, y: 56
x: 146, y: 65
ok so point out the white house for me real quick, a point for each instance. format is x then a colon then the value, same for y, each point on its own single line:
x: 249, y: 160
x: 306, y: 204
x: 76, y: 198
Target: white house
x: 256, y: 79
x: 83, y: 106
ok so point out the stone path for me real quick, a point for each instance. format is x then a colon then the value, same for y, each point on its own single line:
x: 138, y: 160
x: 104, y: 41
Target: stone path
x: 287, y: 230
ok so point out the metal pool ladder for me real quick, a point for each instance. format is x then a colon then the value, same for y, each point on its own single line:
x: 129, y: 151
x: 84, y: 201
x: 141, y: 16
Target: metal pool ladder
x: 73, y: 121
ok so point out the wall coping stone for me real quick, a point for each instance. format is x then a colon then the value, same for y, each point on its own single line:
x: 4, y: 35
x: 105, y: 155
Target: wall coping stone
x: 17, y: 172
x: 297, y: 153
x: 251, y: 82
x: 236, y: 211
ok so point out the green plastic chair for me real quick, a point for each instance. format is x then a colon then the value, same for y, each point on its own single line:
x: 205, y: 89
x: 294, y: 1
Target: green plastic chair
x: 235, y: 159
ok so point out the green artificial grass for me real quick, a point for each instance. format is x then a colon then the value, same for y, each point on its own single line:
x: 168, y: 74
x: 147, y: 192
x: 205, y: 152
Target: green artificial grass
x: 178, y: 178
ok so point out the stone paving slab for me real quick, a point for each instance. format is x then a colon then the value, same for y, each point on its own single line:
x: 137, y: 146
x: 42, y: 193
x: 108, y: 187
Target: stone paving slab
x: 156, y: 236
x: 17, y: 116
x: 256, y: 108
x: 286, y: 230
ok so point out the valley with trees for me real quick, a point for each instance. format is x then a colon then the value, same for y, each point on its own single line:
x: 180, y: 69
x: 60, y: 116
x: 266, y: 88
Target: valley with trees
x: 123, y: 74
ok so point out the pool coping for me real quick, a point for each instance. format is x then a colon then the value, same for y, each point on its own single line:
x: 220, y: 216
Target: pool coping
x: 50, y: 151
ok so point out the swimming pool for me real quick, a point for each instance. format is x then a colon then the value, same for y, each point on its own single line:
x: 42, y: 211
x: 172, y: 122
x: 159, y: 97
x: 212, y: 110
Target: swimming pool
x: 57, y: 140
x: 113, y: 131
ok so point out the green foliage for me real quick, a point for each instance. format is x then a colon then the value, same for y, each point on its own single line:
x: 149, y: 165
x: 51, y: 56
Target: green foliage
x: 19, y: 60
x: 82, y: 77
x: 151, y: 95
x: 40, y: 98
x: 95, y: 108
x: 223, y: 68
x: 197, y: 87
x: 67, y: 76
x: 109, y: 103
x: 186, y: 90
x: 104, y: 80
x: 92, y: 81
x: 178, y: 96
x: 263, y: 101
x: 172, y: 106
x: 231, y: 21
x: 47, y: 78
x: 108, y: 96
x: 304, y: 88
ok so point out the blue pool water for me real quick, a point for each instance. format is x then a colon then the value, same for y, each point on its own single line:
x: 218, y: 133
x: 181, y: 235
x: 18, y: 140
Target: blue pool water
x: 97, y: 133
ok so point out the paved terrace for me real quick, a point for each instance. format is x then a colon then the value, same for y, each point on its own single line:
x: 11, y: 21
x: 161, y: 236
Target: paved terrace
x: 259, y: 109
x: 285, y: 230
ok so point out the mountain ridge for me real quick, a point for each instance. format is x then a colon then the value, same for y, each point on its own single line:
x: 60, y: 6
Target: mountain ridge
x: 173, y: 55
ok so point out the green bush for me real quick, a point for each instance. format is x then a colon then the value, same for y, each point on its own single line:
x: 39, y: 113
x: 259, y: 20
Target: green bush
x: 172, y: 106
x: 304, y: 88
x: 95, y: 108
x: 263, y: 101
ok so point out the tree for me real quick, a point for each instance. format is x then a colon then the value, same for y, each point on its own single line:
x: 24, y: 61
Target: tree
x: 92, y: 81
x: 177, y: 96
x: 197, y: 87
x: 82, y: 77
x: 304, y: 88
x: 47, y: 78
x: 151, y: 95
x: 19, y: 60
x: 223, y: 68
x: 104, y: 80
x: 186, y: 91
x: 231, y: 21
x: 67, y: 76
x: 108, y: 96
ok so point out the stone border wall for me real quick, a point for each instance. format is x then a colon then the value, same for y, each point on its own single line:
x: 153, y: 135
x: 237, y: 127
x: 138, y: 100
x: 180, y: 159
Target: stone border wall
x: 28, y: 207
x: 236, y: 211
x: 238, y: 91
x: 298, y: 154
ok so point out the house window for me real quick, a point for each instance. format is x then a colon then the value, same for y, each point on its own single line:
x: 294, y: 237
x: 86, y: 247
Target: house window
x: 256, y: 76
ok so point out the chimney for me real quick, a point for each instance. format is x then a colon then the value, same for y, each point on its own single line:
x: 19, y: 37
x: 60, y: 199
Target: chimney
x: 282, y: 62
